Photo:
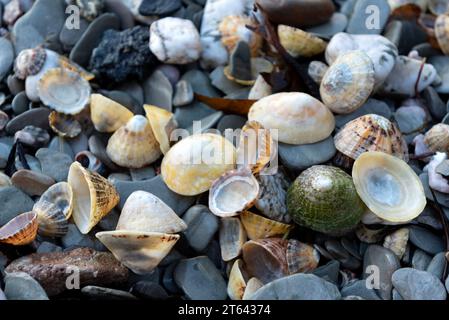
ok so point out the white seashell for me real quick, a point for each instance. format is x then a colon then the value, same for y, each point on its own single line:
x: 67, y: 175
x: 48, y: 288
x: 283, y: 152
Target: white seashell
x: 260, y: 89
x: 437, y: 181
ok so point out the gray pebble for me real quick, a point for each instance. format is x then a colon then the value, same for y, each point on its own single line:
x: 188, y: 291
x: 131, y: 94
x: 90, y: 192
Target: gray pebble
x: 426, y: 240
x: 54, y: 164
x: 13, y: 202
x: 434, y: 103
x: 21, y: 286
x: 34, y: 164
x: 441, y: 64
x: 74, y: 238
x: 372, y: 106
x: 15, y: 85
x: 200, y: 83
x: 4, y: 154
x: 222, y: 83
x: 69, y: 37
x: 202, y: 226
x: 48, y: 247
x: 363, y: 20
x: 410, y: 119
x: 122, y: 11
x: 134, y: 90
x: 397, y: 296
x: 436, y: 266
x: 60, y: 144
x: 205, y: 124
x: 361, y: 289
x: 35, y: 117
x: 142, y: 174
x: 336, y: 24
x: 109, y: 222
x: 183, y: 94
x: 6, y: 57
x: 158, y: 91
x: 413, y: 284
x: 230, y: 121
x: 420, y: 260
x: 329, y: 271
x: 149, y: 290
x: 192, y: 112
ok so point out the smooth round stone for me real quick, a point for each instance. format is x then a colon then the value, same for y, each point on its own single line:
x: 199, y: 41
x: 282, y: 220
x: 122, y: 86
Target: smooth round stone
x: 13, y: 202
x: 14, y: 84
x: 200, y: 83
x: 336, y: 24
x: 426, y: 240
x: 437, y: 264
x: 366, y: 21
x: 329, y: 271
x: 35, y: 117
x: 434, y: 103
x: 183, y: 94
x: 54, y: 164
x: 74, y: 238
x: 206, y: 123
x: 134, y: 90
x: 410, y: 119
x: 21, y: 286
x: 6, y: 57
x: 420, y: 260
x: 196, y: 111
x: 221, y: 82
x: 48, y: 247
x: 387, y: 262
x: 82, y: 51
x: 372, y: 106
x: 142, y: 174
x: 304, y: 156
x: 441, y: 64
x: 231, y: 121
x: 168, y: 280
x: 202, y: 226
x: 101, y: 293
x: 158, y: 91
x: 59, y: 144
x: 298, y: 287
x: 33, y: 163
x: 4, y: 154
x: 359, y: 288
x: 442, y: 198
x: 158, y: 7
x: 200, y: 279
x: 213, y: 252
x: 149, y: 290
x: 426, y: 50
x: 413, y: 284
x: 98, y: 148
x: 122, y: 11
x: 69, y: 37
x: 20, y: 103
x: 31, y: 182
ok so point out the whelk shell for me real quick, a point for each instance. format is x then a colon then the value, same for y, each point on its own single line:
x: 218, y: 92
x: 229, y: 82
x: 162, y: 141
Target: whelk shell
x: 299, y: 43
x: 237, y: 281
x: 388, y: 187
x: 437, y: 138
x: 163, y: 123
x: 442, y: 32
x: 233, y: 29
x: 397, y: 241
x: 21, y: 230
x: 64, y: 125
x: 258, y: 227
x: 232, y: 238
x: 106, y: 114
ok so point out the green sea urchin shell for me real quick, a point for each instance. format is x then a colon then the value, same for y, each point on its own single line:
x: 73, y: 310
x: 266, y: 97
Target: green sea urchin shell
x: 324, y: 199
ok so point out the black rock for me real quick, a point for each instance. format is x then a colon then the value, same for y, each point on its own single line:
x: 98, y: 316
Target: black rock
x: 159, y: 7
x: 149, y: 290
x: 240, y: 62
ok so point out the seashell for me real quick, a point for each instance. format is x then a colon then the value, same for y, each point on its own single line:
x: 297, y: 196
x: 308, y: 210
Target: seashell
x: 233, y: 29
x: 317, y: 70
x: 260, y: 89
x: 232, y: 238
x: 348, y: 82
x: 258, y: 227
x: 438, y: 7
x: 252, y: 286
x: 64, y: 125
x: 134, y: 144
x: 67, y: 64
x: 437, y: 138
x: 369, y: 235
x: 301, y: 257
x: 89, y: 161
x: 106, y: 114
x: 442, y: 32
x: 233, y: 192
x: 94, y: 197
x: 437, y: 181
x: 5, y: 181
x: 388, y: 186
x: 324, y: 199
x: 299, y: 43
x: 258, y: 66
x: 193, y: 164
x: 64, y: 91
x: 145, y: 212
x: 21, y: 230
x: 298, y: 117
x: 237, y: 281
x: 32, y: 136
x: 29, y: 62
x: 163, y: 123
x: 371, y: 133
x: 397, y: 242
x: 54, y: 209
x: 139, y: 251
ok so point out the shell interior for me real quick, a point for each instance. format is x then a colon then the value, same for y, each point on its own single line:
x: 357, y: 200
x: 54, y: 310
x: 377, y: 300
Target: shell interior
x: 232, y: 238
x: 163, y: 123
x: 237, y: 281
x: 64, y: 125
x: 21, y: 230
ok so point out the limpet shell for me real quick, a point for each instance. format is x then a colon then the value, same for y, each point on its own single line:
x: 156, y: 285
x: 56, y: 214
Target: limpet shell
x: 397, y: 241
x: 237, y: 281
x: 388, y: 187
x: 106, y: 114
x: 442, y: 32
x: 90, y: 161
x: 232, y: 237
x: 29, y: 62
x: 162, y: 123
x: 258, y: 227
x: 299, y: 43
x: 437, y: 138
x: 21, y: 230
x: 64, y: 125
x: 233, y: 29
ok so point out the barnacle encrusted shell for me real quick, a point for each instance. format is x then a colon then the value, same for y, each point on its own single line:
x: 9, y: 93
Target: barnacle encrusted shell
x: 233, y: 29
x: 442, y: 32
x: 299, y: 43
x: 162, y: 123
x: 29, y: 62
x: 298, y: 117
x: 397, y: 241
x: 437, y: 138
x: 232, y: 237
x: 371, y: 133
x: 134, y: 145
x: 106, y: 114
x: 64, y: 125
x: 388, y: 186
x: 324, y: 199
x: 258, y: 227
x: 193, y: 164
x: 348, y: 82
x: 237, y: 281
x: 21, y: 230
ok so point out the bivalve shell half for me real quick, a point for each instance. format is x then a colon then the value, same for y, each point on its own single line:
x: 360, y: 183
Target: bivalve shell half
x: 64, y: 125
x: 298, y: 117
x: 389, y: 187
x: 21, y: 230
x: 258, y: 227
x: 64, y: 91
x: 163, y: 123
x: 348, y: 82
x: 299, y: 43
x: 106, y: 114
x: 237, y: 281
x: 134, y: 144
x: 232, y: 238
x: 442, y: 32
x: 232, y: 193
x: 233, y: 29
x: 437, y: 138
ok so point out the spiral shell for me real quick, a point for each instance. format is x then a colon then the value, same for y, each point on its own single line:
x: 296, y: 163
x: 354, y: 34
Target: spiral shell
x: 299, y: 43
x: 233, y: 29
x: 21, y: 230
x: 437, y: 138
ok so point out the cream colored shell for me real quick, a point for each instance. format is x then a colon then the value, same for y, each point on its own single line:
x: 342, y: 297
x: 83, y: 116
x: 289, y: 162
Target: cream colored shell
x: 162, y: 123
x: 299, y: 43
x: 437, y: 138
x: 237, y: 281
x: 258, y: 227
x: 232, y: 237
x: 106, y: 114
x: 442, y: 32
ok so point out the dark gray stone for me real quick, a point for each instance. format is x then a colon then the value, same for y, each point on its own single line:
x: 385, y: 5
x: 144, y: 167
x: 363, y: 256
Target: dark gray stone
x: 329, y: 271
x: 47, y: 247
x: 240, y: 62
x: 359, y: 288
x: 35, y: 117
x: 206, y: 123
x: 202, y: 226
x: 200, y: 83
x: 54, y: 164
x: 158, y: 7
x: 361, y: 21
x: 60, y: 144
x: 192, y: 112
x: 413, y: 284
x: 372, y: 106
x: 336, y: 24
x: 13, y: 202
x: 20, y: 103
x: 158, y: 91
x: 230, y: 121
x: 437, y: 264
x: 4, y: 154
x: 426, y: 240
x: 74, y: 238
x: 134, y: 90
x: 21, y: 286
x: 221, y: 82
x: 122, y: 11
x: 434, y: 103
x: 410, y: 119
x: 100, y: 293
x: 6, y: 57
x: 149, y: 290
x: 69, y: 37
x: 420, y: 260
x: 441, y: 64
x: 142, y: 174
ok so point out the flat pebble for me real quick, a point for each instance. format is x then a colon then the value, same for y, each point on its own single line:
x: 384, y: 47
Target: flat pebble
x: 142, y: 174
x: 20, y: 103
x: 369, y: 17
x: 434, y: 103
x: 183, y: 94
x: 200, y: 83
x: 441, y: 64
x: 196, y: 111
x: 436, y: 265
x: 21, y: 286
x: 413, y: 284
x: 359, y: 288
x: 6, y: 57
x: 426, y: 240
x: 31, y: 182
x: 420, y: 260
x: 14, y: 202
x: 134, y: 90
x: 60, y: 144
x: 33, y: 163
x: 221, y: 82
x: 15, y: 85
x: 329, y: 271
x: 230, y: 121
x: 101, y: 293
x: 54, y: 164
x: 336, y: 24
x: 206, y: 123
x: 35, y: 117
x: 202, y: 226
x: 69, y: 37
x: 74, y: 238
x: 149, y: 290
x: 158, y: 91
x: 4, y: 154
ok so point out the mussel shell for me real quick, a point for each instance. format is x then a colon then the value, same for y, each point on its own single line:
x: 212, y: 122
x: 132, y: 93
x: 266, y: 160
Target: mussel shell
x: 258, y: 227
x: 21, y: 230
x: 64, y: 125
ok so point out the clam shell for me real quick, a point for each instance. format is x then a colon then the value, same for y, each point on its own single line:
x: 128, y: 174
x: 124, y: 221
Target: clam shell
x: 106, y: 114
x: 233, y: 29
x: 94, y: 197
x: 258, y: 227
x: 437, y: 138
x: 163, y: 123
x: 252, y: 286
x: 388, y: 186
x: 144, y: 212
x: 237, y: 282
x: 232, y: 238
x: 397, y: 241
x: 64, y: 125
x: 233, y: 192
x: 29, y: 62
x: 299, y: 43
x: 134, y: 144
x: 348, y: 82
x: 298, y: 117
x: 21, y: 230
x: 442, y: 32
x: 193, y: 164
x: 139, y: 251
x: 371, y: 133
x: 301, y: 257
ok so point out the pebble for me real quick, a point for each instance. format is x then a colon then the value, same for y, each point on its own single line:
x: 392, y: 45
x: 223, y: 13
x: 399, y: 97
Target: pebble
x: 396, y: 296
x: 260, y: 89
x: 14, y: 202
x: 158, y: 91
x: 359, y: 288
x: 200, y: 279
x: 74, y: 238
x: 122, y: 11
x: 410, y: 119
x: 441, y: 64
x: 434, y: 103
x: 54, y: 164
x: 240, y: 62
x: 6, y: 57
x: 124, y: 99
x: 329, y: 271
x: 142, y: 174
x: 202, y: 226
x: 426, y: 240
x: 134, y: 90
x: 21, y: 286
x: 205, y: 124
x: 47, y: 247
x: 69, y: 37
x: 298, y: 287
x: 31, y: 182
x: 2, y: 295
x: 109, y: 222
x: 168, y: 280
x: 442, y: 198
x: 158, y: 7
x: 35, y: 117
x: 421, y: 260
x: 372, y: 106
x: 413, y: 284
x: 32, y: 162
x: 300, y: 157
x: 101, y: 293
x: 437, y: 264
x: 336, y: 24
x: 15, y: 85
x: 98, y: 148
x: 60, y: 144
x: 149, y: 290
x: 230, y: 121
x: 183, y: 94
x: 369, y: 17
x: 4, y: 154
x: 20, y: 103
x: 221, y: 82
x: 196, y: 111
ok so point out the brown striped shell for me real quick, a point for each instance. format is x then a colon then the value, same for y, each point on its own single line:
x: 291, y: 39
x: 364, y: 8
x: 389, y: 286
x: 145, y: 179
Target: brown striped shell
x: 29, y: 62
x: 301, y: 257
x: 258, y: 227
x: 299, y: 43
x: 371, y: 133
x: 21, y: 230
x: 442, y: 32
x: 437, y: 138
x: 233, y: 29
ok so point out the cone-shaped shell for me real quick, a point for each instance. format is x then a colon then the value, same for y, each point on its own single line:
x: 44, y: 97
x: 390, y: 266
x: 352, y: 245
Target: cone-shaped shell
x: 134, y: 144
x: 106, y: 114
x: 299, y: 43
x: 437, y: 138
x: 163, y: 123
x: 233, y: 192
x: 233, y: 29
x: 371, y: 133
x: 94, y: 197
x: 64, y: 91
x: 53, y: 210
x: 258, y: 227
x: 324, y: 199
x: 252, y: 286
x: 442, y: 32
x: 193, y: 164
x: 388, y: 186
x: 145, y: 212
x: 348, y: 82
x: 64, y: 125
x: 237, y: 281
x: 21, y: 230
x: 299, y: 118
x: 29, y: 62
x: 139, y: 251
x: 232, y: 238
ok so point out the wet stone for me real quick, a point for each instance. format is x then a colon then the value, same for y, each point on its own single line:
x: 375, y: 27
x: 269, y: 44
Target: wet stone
x: 134, y: 90
x: 101, y: 293
x: 74, y: 238
x: 21, y: 286
x: 54, y: 164
x: 206, y: 123
x: 149, y: 290
x: 202, y: 226
x: 372, y: 106
x: 240, y: 62
x: 158, y: 91
x: 122, y: 11
x: 421, y: 260
x: 200, y: 83
x: 14, y: 202
x: 410, y: 119
x: 15, y: 85
x: 426, y: 240
x: 413, y: 284
x: 196, y: 111
x: 33, y: 163
x: 359, y: 288
x: 79, y: 143
x: 31, y: 182
x: 230, y: 121
x: 441, y: 64
x: 437, y: 264
x: 4, y: 153
x: 362, y: 22
x: 168, y: 280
